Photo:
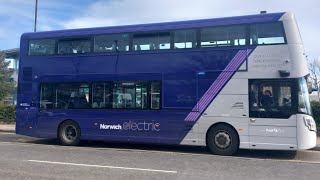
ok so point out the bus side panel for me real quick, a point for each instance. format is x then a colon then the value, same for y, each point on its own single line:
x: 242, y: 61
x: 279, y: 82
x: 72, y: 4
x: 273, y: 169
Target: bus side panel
x: 23, y: 123
x: 157, y: 126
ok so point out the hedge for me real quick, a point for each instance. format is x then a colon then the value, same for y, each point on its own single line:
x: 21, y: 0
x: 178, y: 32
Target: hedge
x: 7, y: 113
x: 315, y: 106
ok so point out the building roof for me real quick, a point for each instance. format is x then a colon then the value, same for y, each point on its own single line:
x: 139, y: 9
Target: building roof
x: 12, y: 53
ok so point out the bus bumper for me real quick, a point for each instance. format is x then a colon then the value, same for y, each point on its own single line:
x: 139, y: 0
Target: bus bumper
x: 306, y: 132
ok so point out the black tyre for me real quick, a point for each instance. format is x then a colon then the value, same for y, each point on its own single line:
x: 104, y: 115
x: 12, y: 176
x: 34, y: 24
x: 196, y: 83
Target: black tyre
x: 292, y: 154
x: 223, y: 140
x: 69, y: 133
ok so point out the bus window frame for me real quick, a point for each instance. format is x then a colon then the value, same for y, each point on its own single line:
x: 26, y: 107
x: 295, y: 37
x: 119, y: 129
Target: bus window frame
x: 148, y: 82
x: 272, y: 44
x: 71, y: 38
x: 171, y: 35
x: 294, y: 96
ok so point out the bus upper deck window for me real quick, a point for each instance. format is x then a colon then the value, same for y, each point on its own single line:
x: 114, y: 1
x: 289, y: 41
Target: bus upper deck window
x: 111, y: 43
x: 74, y: 46
x: 185, y: 39
x: 42, y: 46
x: 266, y: 33
x: 151, y: 41
x: 223, y: 36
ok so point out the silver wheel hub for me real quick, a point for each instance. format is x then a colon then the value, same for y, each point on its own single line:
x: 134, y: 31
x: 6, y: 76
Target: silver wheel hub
x: 70, y: 133
x: 222, y: 140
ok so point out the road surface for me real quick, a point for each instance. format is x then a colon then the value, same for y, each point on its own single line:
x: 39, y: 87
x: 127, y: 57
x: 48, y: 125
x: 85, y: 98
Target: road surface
x: 30, y: 158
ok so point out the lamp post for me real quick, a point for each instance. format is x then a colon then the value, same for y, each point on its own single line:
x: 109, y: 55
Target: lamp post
x: 35, y: 16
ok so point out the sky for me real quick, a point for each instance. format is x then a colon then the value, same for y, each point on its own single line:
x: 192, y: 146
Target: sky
x: 17, y: 16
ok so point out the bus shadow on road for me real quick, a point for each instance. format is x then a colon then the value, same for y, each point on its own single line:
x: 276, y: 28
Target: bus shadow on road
x: 185, y: 150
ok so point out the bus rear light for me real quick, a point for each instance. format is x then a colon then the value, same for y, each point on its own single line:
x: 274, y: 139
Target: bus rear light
x: 310, y: 124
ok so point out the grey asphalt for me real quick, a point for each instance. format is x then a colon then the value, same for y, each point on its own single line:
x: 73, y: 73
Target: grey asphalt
x: 30, y: 158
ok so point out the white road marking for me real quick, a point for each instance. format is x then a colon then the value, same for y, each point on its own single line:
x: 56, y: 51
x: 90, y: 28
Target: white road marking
x: 100, y: 166
x: 164, y: 152
x: 296, y: 161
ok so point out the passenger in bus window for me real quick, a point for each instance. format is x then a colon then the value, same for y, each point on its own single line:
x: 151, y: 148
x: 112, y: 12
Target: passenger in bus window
x: 267, y: 99
x: 98, y: 96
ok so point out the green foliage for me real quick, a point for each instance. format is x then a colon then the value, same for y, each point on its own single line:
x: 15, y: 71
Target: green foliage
x: 7, y: 112
x: 6, y: 82
x: 315, y: 106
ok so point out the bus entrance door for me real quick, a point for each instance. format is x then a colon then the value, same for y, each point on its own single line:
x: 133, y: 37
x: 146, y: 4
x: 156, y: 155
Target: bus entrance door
x: 272, y: 123
x: 271, y: 133
x: 26, y: 111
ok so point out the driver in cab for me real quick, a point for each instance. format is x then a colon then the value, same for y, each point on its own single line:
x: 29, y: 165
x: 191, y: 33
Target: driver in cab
x: 267, y: 99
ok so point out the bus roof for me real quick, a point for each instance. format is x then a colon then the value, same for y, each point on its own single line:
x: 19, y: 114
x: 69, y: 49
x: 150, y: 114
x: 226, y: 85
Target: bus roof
x: 158, y: 26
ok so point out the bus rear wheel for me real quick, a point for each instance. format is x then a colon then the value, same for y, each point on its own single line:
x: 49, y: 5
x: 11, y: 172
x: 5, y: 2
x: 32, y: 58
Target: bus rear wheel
x: 69, y: 133
x: 223, y: 140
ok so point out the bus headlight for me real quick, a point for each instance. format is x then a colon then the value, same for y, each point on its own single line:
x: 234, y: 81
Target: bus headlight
x: 310, y: 124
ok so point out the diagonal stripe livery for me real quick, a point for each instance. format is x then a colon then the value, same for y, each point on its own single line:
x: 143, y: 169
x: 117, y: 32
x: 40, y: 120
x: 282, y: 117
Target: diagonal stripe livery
x: 218, y: 84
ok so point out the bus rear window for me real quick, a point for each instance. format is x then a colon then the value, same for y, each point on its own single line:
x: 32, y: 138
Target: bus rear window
x: 42, y: 46
x: 266, y: 33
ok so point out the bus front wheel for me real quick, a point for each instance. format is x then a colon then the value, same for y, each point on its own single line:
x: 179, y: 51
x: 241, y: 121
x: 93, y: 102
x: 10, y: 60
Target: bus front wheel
x: 222, y: 139
x: 69, y: 133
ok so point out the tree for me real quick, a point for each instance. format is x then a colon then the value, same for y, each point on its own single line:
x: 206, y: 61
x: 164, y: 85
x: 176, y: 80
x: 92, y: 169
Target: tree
x: 6, y: 81
x: 314, y: 68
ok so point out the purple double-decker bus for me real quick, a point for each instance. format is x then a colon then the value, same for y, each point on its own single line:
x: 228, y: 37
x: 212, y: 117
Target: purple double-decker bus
x: 225, y: 83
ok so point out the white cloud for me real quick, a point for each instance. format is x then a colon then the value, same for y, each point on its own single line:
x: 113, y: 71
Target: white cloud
x: 17, y: 17
x: 61, y: 14
x: 106, y: 13
x: 88, y: 22
x: 16, y: 8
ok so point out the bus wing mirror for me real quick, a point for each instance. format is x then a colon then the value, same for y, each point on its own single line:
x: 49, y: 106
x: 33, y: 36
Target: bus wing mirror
x: 284, y: 73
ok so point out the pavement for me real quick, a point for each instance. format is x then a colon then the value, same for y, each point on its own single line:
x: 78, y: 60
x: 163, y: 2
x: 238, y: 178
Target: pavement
x: 7, y: 127
x: 317, y: 148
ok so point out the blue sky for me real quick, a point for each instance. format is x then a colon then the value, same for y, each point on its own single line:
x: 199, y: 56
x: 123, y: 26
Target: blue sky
x: 17, y: 16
